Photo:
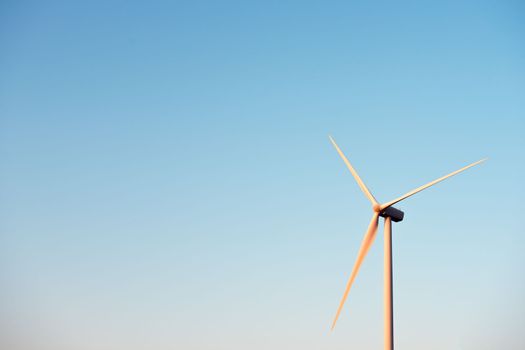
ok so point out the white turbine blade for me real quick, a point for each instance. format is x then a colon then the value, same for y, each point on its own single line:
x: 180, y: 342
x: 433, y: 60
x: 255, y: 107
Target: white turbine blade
x: 360, y: 182
x: 421, y: 188
x: 368, y: 239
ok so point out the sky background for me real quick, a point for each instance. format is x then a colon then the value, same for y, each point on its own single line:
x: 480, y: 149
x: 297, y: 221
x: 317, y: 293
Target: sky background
x: 166, y: 179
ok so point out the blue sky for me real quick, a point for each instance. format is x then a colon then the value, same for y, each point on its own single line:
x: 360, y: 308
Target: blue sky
x: 167, y: 180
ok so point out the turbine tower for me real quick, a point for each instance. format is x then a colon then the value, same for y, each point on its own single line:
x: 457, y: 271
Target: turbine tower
x: 389, y: 213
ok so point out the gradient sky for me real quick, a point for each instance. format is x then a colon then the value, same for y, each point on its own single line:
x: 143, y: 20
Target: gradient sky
x: 167, y: 182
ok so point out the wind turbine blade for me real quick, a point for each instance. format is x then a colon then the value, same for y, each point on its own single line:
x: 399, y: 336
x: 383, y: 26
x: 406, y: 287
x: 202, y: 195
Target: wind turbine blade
x: 368, y: 239
x: 421, y: 188
x: 360, y: 182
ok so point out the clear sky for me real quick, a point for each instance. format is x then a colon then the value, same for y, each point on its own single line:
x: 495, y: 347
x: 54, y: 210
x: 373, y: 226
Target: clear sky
x: 166, y: 179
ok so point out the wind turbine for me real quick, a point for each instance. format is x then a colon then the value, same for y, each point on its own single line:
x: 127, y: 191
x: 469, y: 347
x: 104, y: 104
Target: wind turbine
x: 389, y: 213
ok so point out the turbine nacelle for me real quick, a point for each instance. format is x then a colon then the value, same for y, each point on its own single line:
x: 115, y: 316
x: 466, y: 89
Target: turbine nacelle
x: 395, y: 214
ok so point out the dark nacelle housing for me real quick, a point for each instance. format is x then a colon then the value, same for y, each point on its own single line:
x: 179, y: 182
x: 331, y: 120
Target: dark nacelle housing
x: 395, y: 214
